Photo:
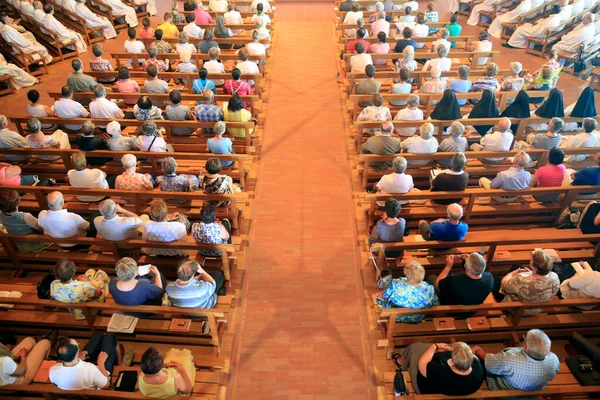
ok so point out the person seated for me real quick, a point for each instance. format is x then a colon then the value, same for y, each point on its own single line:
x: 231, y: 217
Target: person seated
x: 400, y: 86
x: 164, y: 227
x: 547, y: 141
x: 367, y: 86
x: 220, y: 145
x: 442, y: 62
x: 168, y: 29
x: 531, y: 366
x: 185, y: 47
x: 77, y: 80
x: 440, y: 368
x: 411, y: 292
x: 169, y: 377
x: 431, y: 16
x: 256, y: 48
x: 381, y: 47
x: 89, y: 287
x: 453, y: 27
x: 59, y: 223
x: 202, y: 17
x: 212, y: 182
x: 38, y: 140
x: 375, y: 112
x: 127, y: 85
x: 408, y: 60
x: 66, y: 107
x: 380, y: 25
x: 472, y: 287
x: 588, y: 176
x: 220, y: 31
x: 462, y: 84
x: 261, y: 7
x: 426, y: 143
x: 246, y: 66
x: 352, y: 16
x: 87, y: 141
x: 454, y: 179
x: 144, y: 110
x: 10, y: 175
x: 233, y: 17
x: 191, y: 29
x: 214, y: 66
x: 406, y: 41
x: 211, y: 231
x: 236, y: 85
x: 81, y: 177
x: 194, y: 287
x: 519, y: 38
x: 111, y: 226
x: 235, y: 112
x: 420, y: 29
x: 208, y: 111
x: 455, y: 143
x: 19, y: 365
x: 132, y: 45
x: 360, y: 60
x: 588, y: 138
x: 185, y: 65
x: 75, y: 373
x: 161, y: 46
x: 434, y: 85
x: 130, y: 179
x: 397, y: 182
x: 154, y: 85
x: 536, y: 284
x: 382, y: 144
x: 582, y: 286
x: 93, y: 20
x: 62, y: 33
x: 513, y: 82
x: 442, y: 41
x: 19, y: 222
x: 262, y: 31
x: 97, y: 63
x: 390, y: 228
x: 207, y: 42
x: 550, y: 175
x: 408, y: 18
x: 171, y: 182
x: 151, y: 60
x: 542, y: 82
x: 118, y: 141
x: 483, y: 44
x: 489, y: 81
x: 38, y: 110
x: 152, y: 138
x: 177, y: 112
x: 10, y: 139
x: 25, y: 42
x: 203, y: 84
x: 500, y: 140
x: 101, y: 107
x: 445, y: 230
x: 515, y: 178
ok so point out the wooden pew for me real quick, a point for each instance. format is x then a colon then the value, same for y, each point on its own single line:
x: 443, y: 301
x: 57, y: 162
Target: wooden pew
x: 491, y: 15
x: 99, y: 7
x: 244, y: 14
x: 77, y: 23
x: 232, y: 41
x: 6, y: 80
x: 14, y: 53
x: 539, y: 12
x: 461, y: 41
x: 245, y: 26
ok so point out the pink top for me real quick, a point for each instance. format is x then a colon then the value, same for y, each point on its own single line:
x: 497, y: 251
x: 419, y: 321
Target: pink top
x: 202, y: 17
x: 550, y: 175
x: 14, y: 181
x: 147, y: 33
x: 128, y: 86
x: 379, y: 48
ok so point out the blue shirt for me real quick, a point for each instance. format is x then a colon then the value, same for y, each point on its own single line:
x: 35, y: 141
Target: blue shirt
x: 460, y: 86
x: 400, y: 294
x: 587, y: 176
x: 512, y: 179
x: 222, y: 146
x: 200, y: 86
x: 514, y: 368
x: 447, y: 231
x: 195, y: 294
x: 144, y: 291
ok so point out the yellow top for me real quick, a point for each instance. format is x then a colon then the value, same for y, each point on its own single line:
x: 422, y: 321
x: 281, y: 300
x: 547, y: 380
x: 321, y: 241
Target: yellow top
x: 242, y: 115
x: 169, y: 30
x: 162, y: 391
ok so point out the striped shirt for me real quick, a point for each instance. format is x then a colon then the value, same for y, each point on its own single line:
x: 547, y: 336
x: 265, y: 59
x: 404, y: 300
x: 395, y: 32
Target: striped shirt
x: 195, y: 294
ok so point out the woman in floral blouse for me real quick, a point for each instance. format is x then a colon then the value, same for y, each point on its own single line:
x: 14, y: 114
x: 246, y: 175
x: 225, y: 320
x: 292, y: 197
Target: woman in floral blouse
x: 410, y: 292
x: 145, y: 111
x: 213, y: 182
x: 211, y: 231
x: 171, y: 182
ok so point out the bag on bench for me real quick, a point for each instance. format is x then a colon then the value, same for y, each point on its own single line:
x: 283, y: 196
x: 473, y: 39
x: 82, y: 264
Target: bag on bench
x: 382, y: 281
x: 400, y: 388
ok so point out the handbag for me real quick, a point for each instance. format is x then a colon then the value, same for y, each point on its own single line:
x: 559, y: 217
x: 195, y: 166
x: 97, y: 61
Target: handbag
x: 383, y: 281
x: 43, y: 287
x: 400, y: 388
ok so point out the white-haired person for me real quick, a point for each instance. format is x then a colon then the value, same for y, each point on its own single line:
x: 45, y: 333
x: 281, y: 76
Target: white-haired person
x: 410, y: 291
x: 38, y: 140
x: 408, y: 59
x: 112, y: 226
x: 440, y: 368
x: 513, y: 82
x: 120, y: 141
x: 60, y: 223
x: 425, y: 143
x: 213, y: 65
x: 81, y: 177
x: 375, y: 112
x: 411, y: 112
x: 172, y: 182
x: 164, y: 227
x: 473, y: 286
x: 219, y: 144
x: 445, y: 229
x: 442, y: 40
x: 531, y: 366
x: 435, y: 85
x: 185, y: 64
x: 442, y: 61
x: 499, y: 140
x: 194, y: 287
x: 184, y: 46
x: 514, y: 178
x: 398, y: 182
x: 130, y: 179
x: 455, y: 143
x: 454, y: 179
x: 130, y: 288
x: 462, y: 84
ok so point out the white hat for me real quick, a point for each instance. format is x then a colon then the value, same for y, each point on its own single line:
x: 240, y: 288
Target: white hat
x: 113, y: 129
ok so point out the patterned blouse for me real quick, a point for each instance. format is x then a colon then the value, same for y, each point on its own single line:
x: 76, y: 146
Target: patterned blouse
x: 524, y: 287
x: 208, y: 234
x: 411, y: 65
x: 147, y: 115
x: 218, y: 184
x: 77, y: 291
x: 400, y: 294
x: 133, y: 181
x: 177, y: 183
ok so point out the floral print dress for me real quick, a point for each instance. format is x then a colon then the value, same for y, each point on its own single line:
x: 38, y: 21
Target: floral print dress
x: 208, y: 234
x: 77, y: 291
x: 400, y: 294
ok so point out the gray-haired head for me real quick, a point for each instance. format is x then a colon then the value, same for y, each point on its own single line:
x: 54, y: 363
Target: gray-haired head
x: 125, y: 269
x: 427, y: 130
x: 129, y: 161
x: 475, y: 264
x: 149, y: 128
x: 55, y: 201
x: 3, y: 121
x: 34, y: 125
x: 399, y: 165
x: 99, y: 90
x: 556, y: 125
x: 378, y: 6
x: 522, y: 159
x: 413, y: 100
x: 537, y: 344
x: 387, y: 127
x: 457, y: 129
x: 589, y: 124
x: 454, y: 212
x: 108, y: 209
x: 516, y: 67
x: 169, y: 165
x: 463, y: 72
x: 88, y: 128
x: 459, y: 160
x: 220, y: 128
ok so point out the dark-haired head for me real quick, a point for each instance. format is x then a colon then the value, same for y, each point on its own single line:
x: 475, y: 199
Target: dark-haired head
x: 454, y: 18
x: 175, y: 96
x: 131, y: 33
x: 235, y: 103
x: 213, y: 166
x: 236, y: 74
x: 556, y: 156
x: 33, y: 96
x: 382, y: 37
x: 208, y: 213
x: 144, y: 103
x: 158, y: 34
x: 124, y: 73
x: 392, y: 208
x: 152, y: 361
x: 203, y: 73
x: 66, y: 92
x: 67, y: 349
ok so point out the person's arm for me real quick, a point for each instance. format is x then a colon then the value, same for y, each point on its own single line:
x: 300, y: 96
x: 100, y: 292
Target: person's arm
x: 32, y: 222
x: 18, y: 368
x: 100, y: 379
x: 157, y: 280
x: 498, y: 181
x: 445, y: 271
x: 126, y: 213
x: 224, y: 234
x: 535, y: 181
x: 205, y: 276
x: 82, y: 224
x: 508, y: 284
x: 428, y: 356
x: 182, y: 380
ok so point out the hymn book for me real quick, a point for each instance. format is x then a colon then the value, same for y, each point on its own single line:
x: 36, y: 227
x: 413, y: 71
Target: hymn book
x: 12, y: 295
x: 121, y: 323
x: 581, y: 268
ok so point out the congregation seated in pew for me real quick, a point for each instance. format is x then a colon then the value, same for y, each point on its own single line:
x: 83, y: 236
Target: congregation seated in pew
x: 515, y: 178
x: 131, y: 288
x: 449, y: 229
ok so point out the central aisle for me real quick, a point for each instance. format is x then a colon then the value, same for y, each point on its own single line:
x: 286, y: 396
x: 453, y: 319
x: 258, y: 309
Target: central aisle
x: 303, y: 335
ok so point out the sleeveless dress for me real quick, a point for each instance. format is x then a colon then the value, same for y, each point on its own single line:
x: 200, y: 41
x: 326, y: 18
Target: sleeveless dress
x: 167, y: 389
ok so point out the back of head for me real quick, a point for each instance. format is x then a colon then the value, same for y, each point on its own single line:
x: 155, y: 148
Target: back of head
x: 459, y: 160
x: 413, y: 100
x: 538, y: 344
x: 454, y: 18
x: 129, y: 161
x: 88, y: 128
x: 414, y: 272
x: 108, y: 209
x: 427, y: 131
x: 125, y: 269
x: 124, y: 73
x: 97, y: 49
x: 77, y: 64
x: 556, y: 9
x: 457, y: 129
x: 243, y: 54
x: 214, y: 53
x: 407, y: 33
x: 183, y: 38
x: 382, y: 37
x: 158, y: 34
x: 377, y: 100
x: 454, y: 212
x: 79, y: 161
x: 556, y: 156
x: 9, y: 201
x: 208, y: 96
x: 48, y: 8
x: 392, y: 208
x: 522, y: 159
x: 464, y: 72
x: 359, y: 48
x: 66, y: 92
x: 186, y: 270
x: 34, y: 125
x: 370, y: 71
x: 442, y: 51
x: 491, y: 69
x: 516, y: 67
x: 144, y: 103
x: 542, y: 262
x: 167, y: 17
x: 175, y: 96
x: 360, y: 34
x: 556, y: 125
x: 203, y: 73
x: 220, y: 128
x: 98, y: 90
x: 33, y: 95
x: 504, y: 124
x: 158, y: 211
x: 152, y: 53
x: 152, y: 361
x: 462, y: 356
x: 589, y: 125
x: 66, y: 350
x: 152, y: 71
x: 65, y: 270
x: 131, y: 33
x: 149, y: 128
x: 421, y: 18
x: 208, y: 35
x: 236, y: 74
x: 475, y: 264
x: 213, y: 165
x: 208, y: 213
x: 146, y: 22
x: 399, y: 165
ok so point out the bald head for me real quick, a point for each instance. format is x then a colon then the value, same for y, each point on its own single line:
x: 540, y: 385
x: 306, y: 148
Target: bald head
x: 3, y: 121
x: 208, y: 96
x: 108, y: 209
x: 504, y: 124
x: 387, y: 127
x: 455, y: 212
x: 588, y: 19
x: 55, y: 201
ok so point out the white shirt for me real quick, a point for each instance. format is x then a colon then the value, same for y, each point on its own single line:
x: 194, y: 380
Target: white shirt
x: 8, y: 366
x: 359, y: 62
x: 581, y: 140
x: 266, y: 5
x: 181, y: 47
x: 217, y: 5
x: 234, y: 18
x: 582, y: 286
x: 352, y: 16
x: 104, y: 108
x: 444, y: 64
x: 420, y: 31
x: 159, y: 144
x: 256, y: 49
x: 265, y: 18
x: 69, y: 108
x: 62, y: 224
x: 406, y: 114
x: 81, y: 376
x: 117, y: 228
x: 497, y: 141
x: 165, y: 232
x: 418, y: 145
x: 440, y: 42
x: 193, y: 30
x: 395, y: 183
x: 483, y: 45
x: 248, y: 67
x: 87, y: 179
x: 414, y: 6
x: 134, y: 46
x: 27, y: 8
x: 215, y: 67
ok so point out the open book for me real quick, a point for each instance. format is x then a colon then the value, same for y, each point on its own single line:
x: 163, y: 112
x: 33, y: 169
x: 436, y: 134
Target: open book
x: 13, y: 295
x: 122, y: 323
x: 582, y: 268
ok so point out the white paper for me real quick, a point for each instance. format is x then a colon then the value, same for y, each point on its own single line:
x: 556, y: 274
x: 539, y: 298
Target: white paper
x: 143, y: 269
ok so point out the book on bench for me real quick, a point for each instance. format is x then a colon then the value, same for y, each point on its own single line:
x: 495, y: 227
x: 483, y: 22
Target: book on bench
x: 444, y: 324
x: 12, y: 295
x: 180, y: 325
x: 478, y: 324
x: 581, y: 268
x: 121, y: 323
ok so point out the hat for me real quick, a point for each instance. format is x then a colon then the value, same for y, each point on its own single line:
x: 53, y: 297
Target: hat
x: 113, y: 129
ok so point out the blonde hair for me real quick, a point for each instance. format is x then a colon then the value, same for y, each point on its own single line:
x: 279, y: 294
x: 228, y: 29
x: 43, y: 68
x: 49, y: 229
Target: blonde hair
x: 185, y: 56
x: 542, y: 262
x: 414, y: 272
x: 462, y: 356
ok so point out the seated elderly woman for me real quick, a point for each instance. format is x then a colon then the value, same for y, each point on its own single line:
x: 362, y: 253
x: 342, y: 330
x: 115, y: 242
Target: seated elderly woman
x: 424, y: 144
x: 488, y: 81
x: 119, y: 141
x: 440, y: 368
x: 435, y: 85
x: 411, y: 112
x: 164, y: 227
x: 130, y: 179
x: 536, y: 284
x: 455, y: 143
x: 210, y: 230
x: 214, y: 183
x: 171, y: 182
x: 513, y: 82
x: 132, y: 288
x: 442, y: 61
x: 454, y: 180
x: 152, y: 138
x: 89, y: 287
x: 19, y: 222
x: 219, y: 144
x: 38, y: 140
x: 408, y: 59
x: 144, y: 110
x: 410, y: 292
x: 390, y: 228
x: 174, y: 375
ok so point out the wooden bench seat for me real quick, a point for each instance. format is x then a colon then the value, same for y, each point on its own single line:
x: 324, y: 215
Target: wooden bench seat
x: 77, y: 23
x: 530, y: 16
x: 51, y: 40
x: 473, y: 56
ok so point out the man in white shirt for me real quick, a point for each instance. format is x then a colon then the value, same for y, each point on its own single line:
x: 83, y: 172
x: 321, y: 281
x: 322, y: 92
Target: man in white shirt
x: 245, y: 66
x: 74, y: 373
x: 581, y: 34
x: 86, y: 178
x: 424, y: 144
x: 233, y: 17
x: 162, y: 230
x: 38, y: 14
x: 22, y: 42
x: 411, y: 112
x: 94, y: 20
x: 219, y: 6
x: 381, y: 25
x: 442, y: 62
x: 111, y: 226
x: 420, y: 30
x: 66, y: 107
x: 397, y: 182
x: 26, y: 8
x: 265, y: 4
x: 360, y: 60
x: 132, y: 45
x: 11, y: 140
x: 255, y: 47
x: 500, y: 140
x: 101, y: 107
x: 519, y: 37
x: 581, y: 286
x: 59, y: 223
x: 64, y: 34
x: 191, y: 29
x: 588, y: 138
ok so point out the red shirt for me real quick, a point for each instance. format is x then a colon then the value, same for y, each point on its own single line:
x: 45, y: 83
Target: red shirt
x: 241, y: 88
x: 147, y: 33
x: 550, y: 175
x: 352, y: 43
x: 202, y: 17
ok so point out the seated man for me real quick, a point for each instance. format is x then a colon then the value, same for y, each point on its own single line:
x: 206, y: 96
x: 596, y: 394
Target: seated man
x: 583, y: 33
x: 59, y: 223
x: 26, y: 44
x: 101, y: 107
x: 64, y: 34
x: 586, y: 176
x: 111, y: 226
x: 209, y: 111
x: 168, y: 28
x: 470, y: 288
x: 86, y: 178
x: 383, y: 144
x: 191, y: 290
x: 397, y: 182
x: 425, y: 143
x: 360, y: 60
x: 367, y: 86
x: 237, y: 86
x: 164, y: 228
x: 454, y: 179
x: 161, y: 46
x: 455, y: 143
x: 539, y: 30
x: 588, y: 138
x: 546, y: 140
x: 66, y: 107
x: 94, y: 20
x: 87, y: 141
x: 375, y: 112
x: 19, y: 365
x: 77, y: 80
x: 529, y: 367
x: 74, y: 373
x: 499, y: 140
x: 447, y: 230
x: 153, y: 84
x: 11, y: 140
x: 515, y: 178
x: 246, y: 66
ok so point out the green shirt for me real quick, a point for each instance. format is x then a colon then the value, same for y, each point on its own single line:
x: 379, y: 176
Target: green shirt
x: 454, y: 30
